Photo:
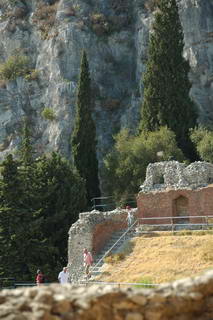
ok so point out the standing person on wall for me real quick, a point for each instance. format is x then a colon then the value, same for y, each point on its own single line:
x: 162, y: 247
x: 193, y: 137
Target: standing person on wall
x: 129, y: 216
x: 63, y: 276
x: 88, y: 261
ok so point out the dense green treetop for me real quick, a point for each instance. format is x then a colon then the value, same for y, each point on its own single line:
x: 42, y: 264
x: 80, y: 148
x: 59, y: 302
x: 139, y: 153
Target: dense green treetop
x: 166, y: 84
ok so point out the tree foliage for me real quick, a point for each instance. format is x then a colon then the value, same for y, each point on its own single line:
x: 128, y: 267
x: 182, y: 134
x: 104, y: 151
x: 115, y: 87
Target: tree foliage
x: 40, y: 199
x: 125, y: 166
x: 203, y: 141
x: 84, y: 134
x: 166, y: 83
x: 62, y: 196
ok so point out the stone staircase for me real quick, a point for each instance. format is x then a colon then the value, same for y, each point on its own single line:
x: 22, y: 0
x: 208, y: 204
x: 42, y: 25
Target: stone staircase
x: 113, y: 246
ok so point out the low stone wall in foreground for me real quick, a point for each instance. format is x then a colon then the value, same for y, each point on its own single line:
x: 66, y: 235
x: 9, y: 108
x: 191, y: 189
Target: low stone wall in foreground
x: 186, y: 299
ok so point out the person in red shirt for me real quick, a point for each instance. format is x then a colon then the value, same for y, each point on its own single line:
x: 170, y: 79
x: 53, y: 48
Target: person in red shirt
x: 39, y: 278
x: 88, y: 261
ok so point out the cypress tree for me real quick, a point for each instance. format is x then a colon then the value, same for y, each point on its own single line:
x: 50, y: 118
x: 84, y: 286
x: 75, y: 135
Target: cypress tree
x: 166, y: 84
x: 84, y: 135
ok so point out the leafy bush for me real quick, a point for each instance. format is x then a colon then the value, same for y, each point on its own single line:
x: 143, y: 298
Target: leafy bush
x: 32, y: 75
x: 203, y: 141
x: 151, y: 5
x: 125, y: 166
x: 48, y: 114
x: 145, y: 283
x: 15, y: 66
x: 114, y: 258
x: 44, y: 17
x: 106, y: 25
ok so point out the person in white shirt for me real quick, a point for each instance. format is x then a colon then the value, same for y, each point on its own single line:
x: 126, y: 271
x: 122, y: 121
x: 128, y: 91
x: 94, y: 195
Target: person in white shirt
x: 63, y: 276
x: 129, y: 216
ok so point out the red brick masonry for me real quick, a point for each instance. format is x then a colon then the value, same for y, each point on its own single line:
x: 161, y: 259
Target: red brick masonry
x: 184, y: 202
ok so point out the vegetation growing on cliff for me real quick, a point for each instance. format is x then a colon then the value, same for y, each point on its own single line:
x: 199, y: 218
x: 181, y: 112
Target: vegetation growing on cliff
x: 84, y: 134
x: 166, y: 85
x: 14, y: 66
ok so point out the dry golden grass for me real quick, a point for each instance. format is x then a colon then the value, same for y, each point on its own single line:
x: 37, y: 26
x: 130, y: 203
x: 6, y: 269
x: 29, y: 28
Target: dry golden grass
x: 163, y: 258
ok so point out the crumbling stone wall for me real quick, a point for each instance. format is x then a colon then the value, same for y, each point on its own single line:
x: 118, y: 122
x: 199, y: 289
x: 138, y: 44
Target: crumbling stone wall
x: 92, y: 230
x: 167, y: 174
x: 167, y: 181
x: 186, y: 299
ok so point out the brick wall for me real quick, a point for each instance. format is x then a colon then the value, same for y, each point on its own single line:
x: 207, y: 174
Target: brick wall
x: 103, y: 232
x: 165, y: 203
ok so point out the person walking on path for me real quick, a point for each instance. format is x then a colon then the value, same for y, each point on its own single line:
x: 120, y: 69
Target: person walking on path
x: 40, y: 279
x: 63, y: 276
x: 88, y: 261
x: 129, y: 216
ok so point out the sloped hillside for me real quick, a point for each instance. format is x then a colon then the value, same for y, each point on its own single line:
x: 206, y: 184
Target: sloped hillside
x: 161, y: 258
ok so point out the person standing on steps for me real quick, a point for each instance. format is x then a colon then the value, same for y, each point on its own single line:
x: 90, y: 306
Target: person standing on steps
x: 88, y: 261
x: 129, y: 216
x: 63, y: 276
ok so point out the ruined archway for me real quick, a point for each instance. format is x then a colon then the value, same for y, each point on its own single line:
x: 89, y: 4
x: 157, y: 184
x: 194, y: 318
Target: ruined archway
x: 181, y: 210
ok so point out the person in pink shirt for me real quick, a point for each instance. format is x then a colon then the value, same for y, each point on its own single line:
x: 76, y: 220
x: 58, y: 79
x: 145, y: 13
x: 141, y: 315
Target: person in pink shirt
x: 88, y: 261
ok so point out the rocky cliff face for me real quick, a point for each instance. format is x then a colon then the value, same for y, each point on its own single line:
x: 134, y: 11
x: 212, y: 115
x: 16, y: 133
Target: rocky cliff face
x: 115, y: 35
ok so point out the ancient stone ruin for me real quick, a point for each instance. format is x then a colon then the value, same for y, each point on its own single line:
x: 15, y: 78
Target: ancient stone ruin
x: 173, y: 189
x: 175, y: 175
x: 92, y: 230
x: 186, y: 299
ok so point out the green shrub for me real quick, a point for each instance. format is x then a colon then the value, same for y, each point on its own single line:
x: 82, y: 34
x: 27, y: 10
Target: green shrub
x: 145, y: 283
x: 48, y: 114
x: 203, y: 141
x: 32, y: 75
x: 151, y: 5
x: 15, y: 66
x: 114, y: 258
x: 125, y: 165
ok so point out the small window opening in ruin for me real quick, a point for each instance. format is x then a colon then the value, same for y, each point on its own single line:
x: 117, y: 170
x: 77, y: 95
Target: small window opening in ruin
x: 159, y: 179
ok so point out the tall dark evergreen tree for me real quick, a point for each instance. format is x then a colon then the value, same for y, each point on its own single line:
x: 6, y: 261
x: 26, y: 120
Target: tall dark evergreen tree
x: 62, y: 196
x: 10, y: 198
x: 18, y: 240
x: 166, y: 83
x: 84, y: 134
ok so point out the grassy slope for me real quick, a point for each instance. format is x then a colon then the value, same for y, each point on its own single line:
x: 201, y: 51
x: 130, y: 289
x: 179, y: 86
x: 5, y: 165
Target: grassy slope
x: 163, y: 258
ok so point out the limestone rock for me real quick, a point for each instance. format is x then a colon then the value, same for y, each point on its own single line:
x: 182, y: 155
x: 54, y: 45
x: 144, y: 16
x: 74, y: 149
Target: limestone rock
x: 115, y: 39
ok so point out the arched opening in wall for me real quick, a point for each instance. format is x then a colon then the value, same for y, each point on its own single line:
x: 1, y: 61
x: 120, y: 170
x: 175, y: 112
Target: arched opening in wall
x: 181, y: 210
